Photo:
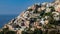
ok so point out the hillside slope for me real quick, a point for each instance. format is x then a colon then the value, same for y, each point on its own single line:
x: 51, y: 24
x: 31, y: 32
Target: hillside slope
x: 39, y: 18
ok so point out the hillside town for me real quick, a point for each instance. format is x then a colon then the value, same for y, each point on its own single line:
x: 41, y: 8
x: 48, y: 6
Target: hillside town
x: 40, y: 18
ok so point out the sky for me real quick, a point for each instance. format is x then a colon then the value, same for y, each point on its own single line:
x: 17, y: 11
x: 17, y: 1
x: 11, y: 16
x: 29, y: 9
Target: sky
x: 17, y: 6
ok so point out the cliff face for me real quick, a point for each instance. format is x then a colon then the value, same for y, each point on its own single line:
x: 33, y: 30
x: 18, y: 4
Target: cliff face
x: 45, y: 17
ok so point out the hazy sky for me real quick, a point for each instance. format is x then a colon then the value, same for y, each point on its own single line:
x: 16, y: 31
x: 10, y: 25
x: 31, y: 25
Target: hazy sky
x: 17, y: 6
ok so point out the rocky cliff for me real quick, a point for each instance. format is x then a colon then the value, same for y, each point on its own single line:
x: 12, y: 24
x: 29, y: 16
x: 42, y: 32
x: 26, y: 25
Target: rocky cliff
x: 39, y: 18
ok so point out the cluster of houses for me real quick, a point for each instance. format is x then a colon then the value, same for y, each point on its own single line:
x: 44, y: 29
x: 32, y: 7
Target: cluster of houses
x: 36, y: 16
